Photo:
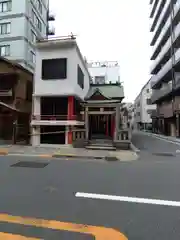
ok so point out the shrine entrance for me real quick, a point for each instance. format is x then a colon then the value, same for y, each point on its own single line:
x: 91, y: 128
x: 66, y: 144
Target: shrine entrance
x: 101, y: 126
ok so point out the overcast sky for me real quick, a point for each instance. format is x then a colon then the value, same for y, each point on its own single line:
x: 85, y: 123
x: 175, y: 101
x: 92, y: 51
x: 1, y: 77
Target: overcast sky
x: 110, y: 30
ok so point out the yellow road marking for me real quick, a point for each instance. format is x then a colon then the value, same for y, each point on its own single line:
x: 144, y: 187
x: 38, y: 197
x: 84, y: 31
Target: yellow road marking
x: 45, y: 156
x: 10, y: 236
x: 3, y: 151
x: 100, y: 233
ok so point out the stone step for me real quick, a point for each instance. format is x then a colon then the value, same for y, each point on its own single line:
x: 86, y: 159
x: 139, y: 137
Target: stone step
x: 100, y: 147
x: 101, y: 141
x: 101, y: 144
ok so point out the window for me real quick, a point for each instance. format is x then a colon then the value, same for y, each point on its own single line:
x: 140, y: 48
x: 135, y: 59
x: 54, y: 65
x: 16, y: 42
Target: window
x: 5, y: 6
x: 33, y: 16
x: 147, y: 90
x: 4, y: 50
x: 100, y: 79
x: 148, y: 101
x: 5, y: 28
x: 39, y: 6
x: 54, y: 69
x: 32, y: 57
x: 39, y: 24
x: 33, y: 37
x: 36, y: 20
x: 149, y: 111
x: 80, y: 78
x: 29, y: 90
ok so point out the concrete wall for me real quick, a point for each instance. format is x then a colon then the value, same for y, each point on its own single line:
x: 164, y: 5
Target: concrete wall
x: 111, y: 73
x: 61, y: 87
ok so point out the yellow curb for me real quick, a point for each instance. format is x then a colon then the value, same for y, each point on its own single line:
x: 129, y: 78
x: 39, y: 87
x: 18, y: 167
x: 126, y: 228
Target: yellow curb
x: 3, y: 151
x: 45, y: 156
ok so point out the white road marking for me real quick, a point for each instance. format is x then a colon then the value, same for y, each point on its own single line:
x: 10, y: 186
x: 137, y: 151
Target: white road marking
x: 128, y: 199
x: 163, y: 139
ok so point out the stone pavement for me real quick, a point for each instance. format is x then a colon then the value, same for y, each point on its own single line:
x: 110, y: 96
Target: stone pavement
x: 66, y: 152
x: 123, y: 155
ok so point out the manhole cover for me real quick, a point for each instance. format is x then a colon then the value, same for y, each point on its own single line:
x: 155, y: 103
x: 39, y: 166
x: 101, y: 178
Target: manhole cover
x: 30, y: 164
x: 111, y: 159
x: 164, y: 154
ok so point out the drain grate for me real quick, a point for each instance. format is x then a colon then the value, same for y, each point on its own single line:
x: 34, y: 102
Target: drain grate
x: 111, y: 159
x: 164, y: 154
x: 30, y: 164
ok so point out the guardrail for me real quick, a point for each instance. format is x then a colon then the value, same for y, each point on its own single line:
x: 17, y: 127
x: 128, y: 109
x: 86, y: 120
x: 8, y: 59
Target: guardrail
x: 57, y: 117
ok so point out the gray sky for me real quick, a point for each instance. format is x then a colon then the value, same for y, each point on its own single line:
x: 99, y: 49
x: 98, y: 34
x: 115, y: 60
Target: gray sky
x: 110, y: 30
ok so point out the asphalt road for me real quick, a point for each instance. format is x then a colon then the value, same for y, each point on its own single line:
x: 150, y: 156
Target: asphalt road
x: 49, y: 193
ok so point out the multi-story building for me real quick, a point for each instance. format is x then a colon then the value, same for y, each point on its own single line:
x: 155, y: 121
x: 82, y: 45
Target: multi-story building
x: 21, y: 24
x: 104, y: 72
x: 143, y: 107
x: 165, y: 69
x: 67, y: 107
x: 128, y: 115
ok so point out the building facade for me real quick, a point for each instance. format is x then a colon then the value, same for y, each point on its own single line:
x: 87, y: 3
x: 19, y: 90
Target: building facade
x: 143, y: 108
x: 104, y: 72
x: 15, y: 102
x: 61, y: 82
x: 165, y: 69
x: 21, y: 24
x: 67, y: 108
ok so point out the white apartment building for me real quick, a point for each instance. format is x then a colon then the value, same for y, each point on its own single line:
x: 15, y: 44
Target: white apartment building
x: 22, y: 22
x: 143, y: 107
x: 104, y: 72
x: 61, y: 81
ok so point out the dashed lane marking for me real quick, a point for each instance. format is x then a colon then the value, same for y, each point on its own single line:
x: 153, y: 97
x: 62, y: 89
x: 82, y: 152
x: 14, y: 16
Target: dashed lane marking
x: 128, y: 199
x: 10, y: 236
x: 100, y: 233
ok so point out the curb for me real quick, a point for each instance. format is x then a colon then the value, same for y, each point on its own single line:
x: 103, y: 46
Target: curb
x: 162, y: 137
x: 75, y: 156
x: 134, y: 149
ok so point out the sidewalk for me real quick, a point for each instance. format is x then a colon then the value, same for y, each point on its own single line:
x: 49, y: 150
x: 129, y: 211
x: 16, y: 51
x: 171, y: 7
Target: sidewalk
x: 66, y: 152
x: 123, y: 155
x: 169, y: 138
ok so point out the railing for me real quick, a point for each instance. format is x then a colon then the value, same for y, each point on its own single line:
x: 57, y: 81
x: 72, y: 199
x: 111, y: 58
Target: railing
x: 51, y: 16
x: 79, y: 134
x: 159, y: 93
x: 124, y: 134
x: 57, y: 118
x: 5, y: 93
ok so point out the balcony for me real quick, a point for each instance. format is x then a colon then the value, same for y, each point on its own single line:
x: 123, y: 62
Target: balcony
x: 161, y: 22
x: 165, y: 32
x: 57, y: 120
x: 51, y: 31
x: 160, y: 93
x: 166, y: 50
x: 157, y: 14
x: 51, y: 16
x: 153, y: 9
x: 165, y: 72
